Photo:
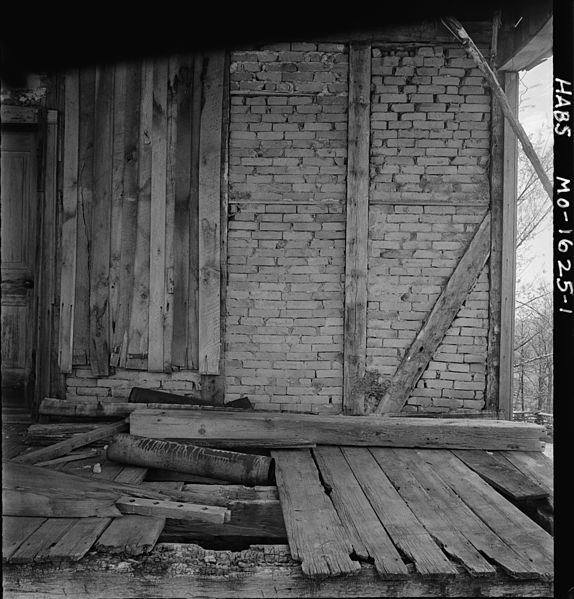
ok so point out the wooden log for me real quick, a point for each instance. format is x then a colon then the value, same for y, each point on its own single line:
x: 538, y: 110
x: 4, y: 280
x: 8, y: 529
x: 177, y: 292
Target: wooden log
x: 459, y: 31
x: 419, y: 354
x: 357, y: 225
x: 236, y: 467
x: 64, y: 447
x: 173, y: 509
x: 336, y: 430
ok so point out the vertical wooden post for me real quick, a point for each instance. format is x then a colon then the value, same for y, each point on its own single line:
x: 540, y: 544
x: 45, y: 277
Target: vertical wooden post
x: 495, y: 261
x: 158, y: 213
x: 509, y: 193
x: 209, y: 212
x: 69, y: 220
x: 355, y: 342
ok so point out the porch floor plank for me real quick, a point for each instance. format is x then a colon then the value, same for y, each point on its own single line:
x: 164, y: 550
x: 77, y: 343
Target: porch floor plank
x: 15, y: 530
x: 404, y: 528
x: 502, y: 475
x: 366, y: 533
x: 514, y: 527
x: 316, y: 535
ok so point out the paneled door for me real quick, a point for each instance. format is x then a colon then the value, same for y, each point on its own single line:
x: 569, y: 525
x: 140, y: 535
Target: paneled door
x: 18, y: 202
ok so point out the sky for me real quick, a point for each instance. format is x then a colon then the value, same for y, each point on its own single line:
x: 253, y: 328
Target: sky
x: 535, y: 115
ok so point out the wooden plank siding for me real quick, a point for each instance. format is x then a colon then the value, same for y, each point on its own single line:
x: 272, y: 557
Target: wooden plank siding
x: 210, y: 136
x: 136, y: 135
x: 69, y: 219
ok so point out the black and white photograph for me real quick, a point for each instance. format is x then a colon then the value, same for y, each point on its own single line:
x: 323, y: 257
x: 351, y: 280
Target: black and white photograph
x: 287, y: 302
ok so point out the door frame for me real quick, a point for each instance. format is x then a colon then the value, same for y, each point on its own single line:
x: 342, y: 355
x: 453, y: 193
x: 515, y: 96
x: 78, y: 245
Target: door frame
x: 43, y: 380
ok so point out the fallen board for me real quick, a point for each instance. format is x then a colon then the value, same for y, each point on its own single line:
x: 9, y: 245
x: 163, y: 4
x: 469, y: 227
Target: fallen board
x: 64, y: 447
x: 316, y: 535
x: 337, y: 430
x: 502, y: 475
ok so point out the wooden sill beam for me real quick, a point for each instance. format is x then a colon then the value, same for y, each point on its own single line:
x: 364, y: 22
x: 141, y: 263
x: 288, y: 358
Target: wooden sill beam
x: 181, y: 570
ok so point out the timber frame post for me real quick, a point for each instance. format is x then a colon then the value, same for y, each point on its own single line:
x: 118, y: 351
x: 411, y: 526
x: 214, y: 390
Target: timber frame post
x: 357, y: 231
x: 508, y: 254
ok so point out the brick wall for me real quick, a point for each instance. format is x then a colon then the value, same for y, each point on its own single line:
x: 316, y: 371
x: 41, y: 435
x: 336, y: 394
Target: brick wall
x: 429, y: 188
x: 413, y: 250
x: 82, y: 384
x: 286, y: 240
x: 430, y: 119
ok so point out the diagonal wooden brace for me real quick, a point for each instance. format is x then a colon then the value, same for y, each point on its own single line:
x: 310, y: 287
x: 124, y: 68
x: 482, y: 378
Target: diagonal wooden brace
x: 443, y: 313
x: 460, y: 33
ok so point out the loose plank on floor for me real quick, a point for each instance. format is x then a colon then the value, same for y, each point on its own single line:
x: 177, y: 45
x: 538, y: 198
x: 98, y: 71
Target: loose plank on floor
x: 365, y: 531
x: 15, y: 531
x: 502, y: 475
x: 462, y: 518
x: 431, y: 514
x: 316, y: 536
x: 131, y: 534
x: 536, y: 466
x: 404, y: 528
x: 78, y: 539
x: 38, y: 544
x: 515, y: 528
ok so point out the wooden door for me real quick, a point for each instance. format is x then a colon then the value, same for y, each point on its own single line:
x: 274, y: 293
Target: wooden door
x: 18, y: 233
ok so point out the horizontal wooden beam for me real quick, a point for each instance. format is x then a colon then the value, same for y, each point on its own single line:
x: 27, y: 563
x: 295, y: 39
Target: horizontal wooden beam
x: 337, y: 430
x: 254, y: 572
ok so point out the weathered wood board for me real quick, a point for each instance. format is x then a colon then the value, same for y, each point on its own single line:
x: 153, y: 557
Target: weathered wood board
x: 316, y: 535
x: 337, y: 430
x: 400, y: 522
x: 365, y: 531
